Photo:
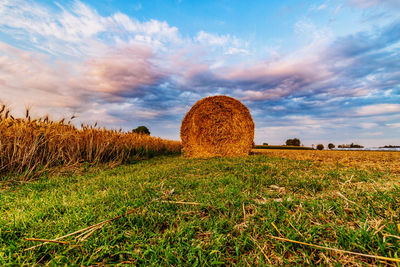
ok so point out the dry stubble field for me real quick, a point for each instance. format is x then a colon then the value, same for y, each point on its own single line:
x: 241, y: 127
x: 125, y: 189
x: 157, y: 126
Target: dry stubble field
x: 366, y: 160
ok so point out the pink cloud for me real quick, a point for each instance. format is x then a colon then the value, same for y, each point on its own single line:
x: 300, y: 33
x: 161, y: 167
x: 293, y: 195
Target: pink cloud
x: 378, y: 109
x: 33, y: 79
x: 277, y: 78
x: 121, y: 70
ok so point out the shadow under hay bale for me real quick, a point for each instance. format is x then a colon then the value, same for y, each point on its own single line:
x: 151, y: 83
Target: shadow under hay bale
x: 217, y: 126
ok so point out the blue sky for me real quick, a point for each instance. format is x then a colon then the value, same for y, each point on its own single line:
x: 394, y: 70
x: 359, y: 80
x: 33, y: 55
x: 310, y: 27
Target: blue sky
x: 323, y: 71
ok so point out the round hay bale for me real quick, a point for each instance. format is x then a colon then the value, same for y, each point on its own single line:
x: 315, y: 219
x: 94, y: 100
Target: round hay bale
x: 217, y: 126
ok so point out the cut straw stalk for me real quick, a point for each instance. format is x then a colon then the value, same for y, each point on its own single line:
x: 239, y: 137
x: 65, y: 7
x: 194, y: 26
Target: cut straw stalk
x: 86, y: 230
x: 47, y: 241
x: 86, y: 234
x: 181, y: 202
x: 262, y: 250
x: 89, y: 233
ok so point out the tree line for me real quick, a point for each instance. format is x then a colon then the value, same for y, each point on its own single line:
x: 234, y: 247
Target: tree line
x: 296, y: 142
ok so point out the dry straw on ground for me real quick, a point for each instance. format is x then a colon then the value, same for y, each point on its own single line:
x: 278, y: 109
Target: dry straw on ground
x: 217, y: 126
x: 367, y: 160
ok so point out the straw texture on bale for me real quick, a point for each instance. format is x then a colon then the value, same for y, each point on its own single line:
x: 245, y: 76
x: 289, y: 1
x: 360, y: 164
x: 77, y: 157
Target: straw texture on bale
x: 217, y: 126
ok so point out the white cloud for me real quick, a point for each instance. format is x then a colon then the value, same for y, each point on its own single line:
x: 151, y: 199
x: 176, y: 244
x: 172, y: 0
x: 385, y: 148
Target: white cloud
x: 72, y: 26
x: 338, y: 8
x: 374, y: 3
x: 213, y: 39
x: 78, y: 30
x: 393, y: 125
x: 153, y: 29
x: 235, y: 50
x: 377, y: 109
x: 374, y: 134
x: 368, y: 125
x: 230, y: 44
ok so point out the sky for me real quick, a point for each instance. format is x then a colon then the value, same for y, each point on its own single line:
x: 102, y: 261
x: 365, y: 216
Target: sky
x: 322, y: 71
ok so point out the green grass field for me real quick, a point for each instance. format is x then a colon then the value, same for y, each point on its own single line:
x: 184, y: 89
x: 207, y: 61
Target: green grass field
x: 238, y: 204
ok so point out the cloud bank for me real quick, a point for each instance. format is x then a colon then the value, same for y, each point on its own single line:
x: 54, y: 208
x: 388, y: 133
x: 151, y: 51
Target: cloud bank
x: 123, y: 72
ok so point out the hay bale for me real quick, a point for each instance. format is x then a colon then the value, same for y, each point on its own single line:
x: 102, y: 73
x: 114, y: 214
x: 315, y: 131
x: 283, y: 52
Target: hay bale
x: 217, y: 126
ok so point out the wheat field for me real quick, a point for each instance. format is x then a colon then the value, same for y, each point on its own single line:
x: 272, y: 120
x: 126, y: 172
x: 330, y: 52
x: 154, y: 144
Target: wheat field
x: 28, y: 147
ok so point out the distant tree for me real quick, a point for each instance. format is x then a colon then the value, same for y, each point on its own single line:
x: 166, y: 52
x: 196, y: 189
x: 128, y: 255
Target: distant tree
x: 141, y: 130
x: 352, y: 145
x: 331, y: 146
x: 296, y: 142
x: 320, y: 146
x: 293, y: 142
x: 389, y: 146
x: 265, y: 144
